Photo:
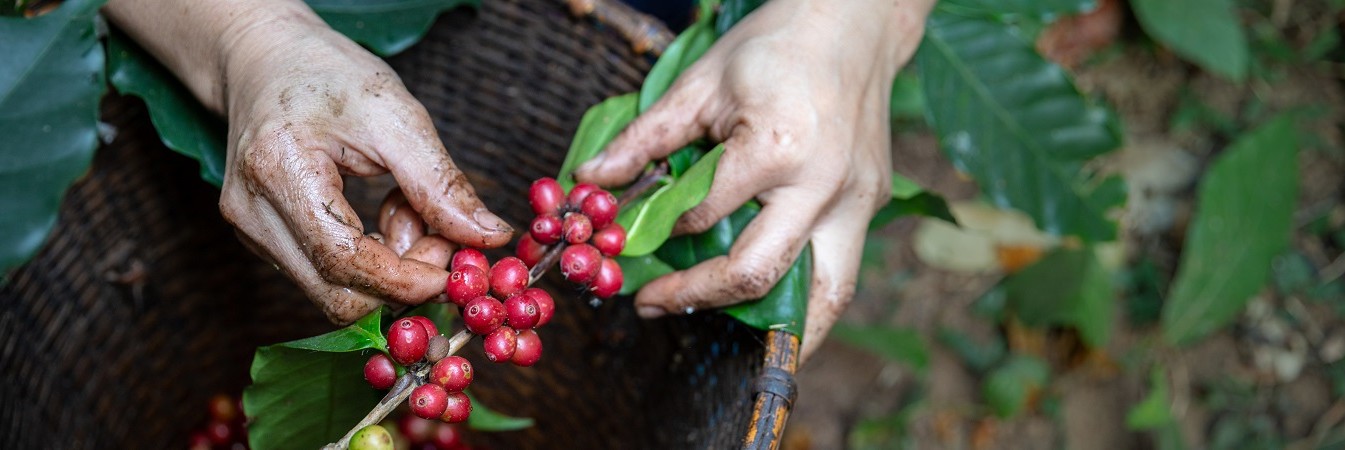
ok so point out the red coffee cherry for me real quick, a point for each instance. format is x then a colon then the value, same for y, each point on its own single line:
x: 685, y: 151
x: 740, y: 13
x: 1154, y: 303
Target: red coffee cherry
x: 425, y: 322
x: 454, y: 373
x: 546, y: 306
x: 610, y: 240
x: 466, y: 283
x: 379, y: 372
x: 459, y: 408
x: 483, y: 315
x: 521, y: 311
x: 609, y: 279
x: 407, y: 341
x: 471, y: 257
x: 580, y: 192
x: 220, y: 433
x: 578, y: 228
x: 600, y: 207
x: 500, y: 344
x: 447, y: 437
x: 529, y: 251
x: 545, y: 196
x: 580, y: 263
x: 528, y: 348
x: 508, y: 277
x: 225, y: 409
x: 415, y: 429
x: 546, y: 229
x: 429, y: 401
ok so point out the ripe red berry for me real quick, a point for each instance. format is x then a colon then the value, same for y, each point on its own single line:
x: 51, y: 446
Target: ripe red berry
x: 466, y: 283
x: 407, y: 341
x: 521, y: 311
x: 483, y: 315
x: 546, y: 306
x: 609, y: 279
x: 447, y: 437
x: 427, y: 324
x: 528, y: 349
x: 459, y: 408
x: 500, y: 344
x: 471, y: 257
x: 610, y: 240
x: 580, y: 263
x: 415, y: 429
x: 545, y: 196
x: 546, y: 229
x: 379, y: 372
x: 428, y: 401
x: 578, y: 228
x: 580, y: 192
x: 220, y: 433
x: 199, y: 441
x: 600, y: 207
x: 454, y: 373
x: 529, y: 251
x: 225, y: 409
x: 508, y: 277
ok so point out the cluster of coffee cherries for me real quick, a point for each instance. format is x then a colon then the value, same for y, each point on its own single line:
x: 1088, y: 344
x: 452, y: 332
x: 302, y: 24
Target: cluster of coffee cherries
x: 225, y: 430
x: 411, y: 346
x: 420, y: 434
x: 507, y: 326
x: 585, y: 223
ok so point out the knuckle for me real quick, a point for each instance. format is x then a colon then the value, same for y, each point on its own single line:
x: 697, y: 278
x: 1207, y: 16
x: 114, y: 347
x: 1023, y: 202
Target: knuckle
x: 697, y: 220
x: 334, y: 261
x: 752, y: 281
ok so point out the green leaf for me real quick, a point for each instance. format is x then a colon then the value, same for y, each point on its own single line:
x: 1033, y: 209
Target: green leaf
x: 183, y: 124
x: 1206, y: 32
x: 486, y: 419
x: 896, y: 344
x: 908, y: 98
x: 649, y: 223
x: 601, y: 123
x: 638, y: 271
x: 1066, y: 287
x: 909, y: 199
x: 1242, y: 221
x: 680, y: 54
x: 733, y: 11
x: 1016, y: 123
x: 307, y: 393
x: 1045, y: 10
x: 384, y: 26
x: 1153, y: 412
x: 51, y: 79
x: 1010, y: 386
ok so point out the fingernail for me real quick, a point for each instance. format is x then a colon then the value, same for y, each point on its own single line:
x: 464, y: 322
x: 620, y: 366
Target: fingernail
x: 491, y: 221
x: 650, y: 312
x: 593, y: 164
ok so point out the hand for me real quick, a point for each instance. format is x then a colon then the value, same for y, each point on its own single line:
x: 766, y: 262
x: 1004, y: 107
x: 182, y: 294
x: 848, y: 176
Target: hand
x: 798, y: 92
x: 305, y: 105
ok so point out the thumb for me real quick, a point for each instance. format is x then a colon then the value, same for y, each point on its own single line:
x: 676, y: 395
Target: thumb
x: 667, y: 126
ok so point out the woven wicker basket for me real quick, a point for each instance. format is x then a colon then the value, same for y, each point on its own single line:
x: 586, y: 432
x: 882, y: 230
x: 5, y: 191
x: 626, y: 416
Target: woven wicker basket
x: 143, y: 304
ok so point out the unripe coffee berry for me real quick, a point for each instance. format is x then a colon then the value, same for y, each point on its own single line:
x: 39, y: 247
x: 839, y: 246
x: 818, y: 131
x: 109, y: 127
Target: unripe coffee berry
x: 529, y: 251
x: 546, y: 229
x: 580, y: 192
x: 407, y: 341
x: 429, y: 400
x: 545, y: 196
x: 527, y: 349
x: 459, y: 408
x: 425, y: 322
x: 500, y: 344
x: 546, y: 306
x: 609, y: 279
x: 470, y: 257
x: 520, y: 311
x: 600, y: 207
x: 483, y: 315
x: 580, y: 263
x: 610, y: 240
x: 372, y: 437
x: 454, y: 373
x: 509, y: 276
x: 466, y: 283
x: 379, y: 372
x: 437, y: 349
x: 578, y: 228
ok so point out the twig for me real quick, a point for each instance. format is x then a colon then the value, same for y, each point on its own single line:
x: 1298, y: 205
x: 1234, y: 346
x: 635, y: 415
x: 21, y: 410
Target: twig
x: 642, y: 185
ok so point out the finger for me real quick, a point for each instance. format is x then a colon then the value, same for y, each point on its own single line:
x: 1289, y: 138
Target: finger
x: 431, y: 249
x: 401, y: 225
x: 743, y: 178
x: 760, y: 256
x: 668, y: 125
x: 838, y: 242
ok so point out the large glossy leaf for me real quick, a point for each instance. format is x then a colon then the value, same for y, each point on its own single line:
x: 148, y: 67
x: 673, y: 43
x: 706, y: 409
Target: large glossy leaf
x: 681, y: 53
x: 1207, y: 32
x: 909, y: 199
x: 1068, y: 288
x: 183, y: 124
x: 486, y: 419
x: 649, y: 223
x: 310, y: 392
x: 600, y: 124
x: 896, y: 344
x: 1242, y: 221
x: 384, y: 26
x: 1015, y: 122
x: 639, y: 271
x: 51, y: 78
